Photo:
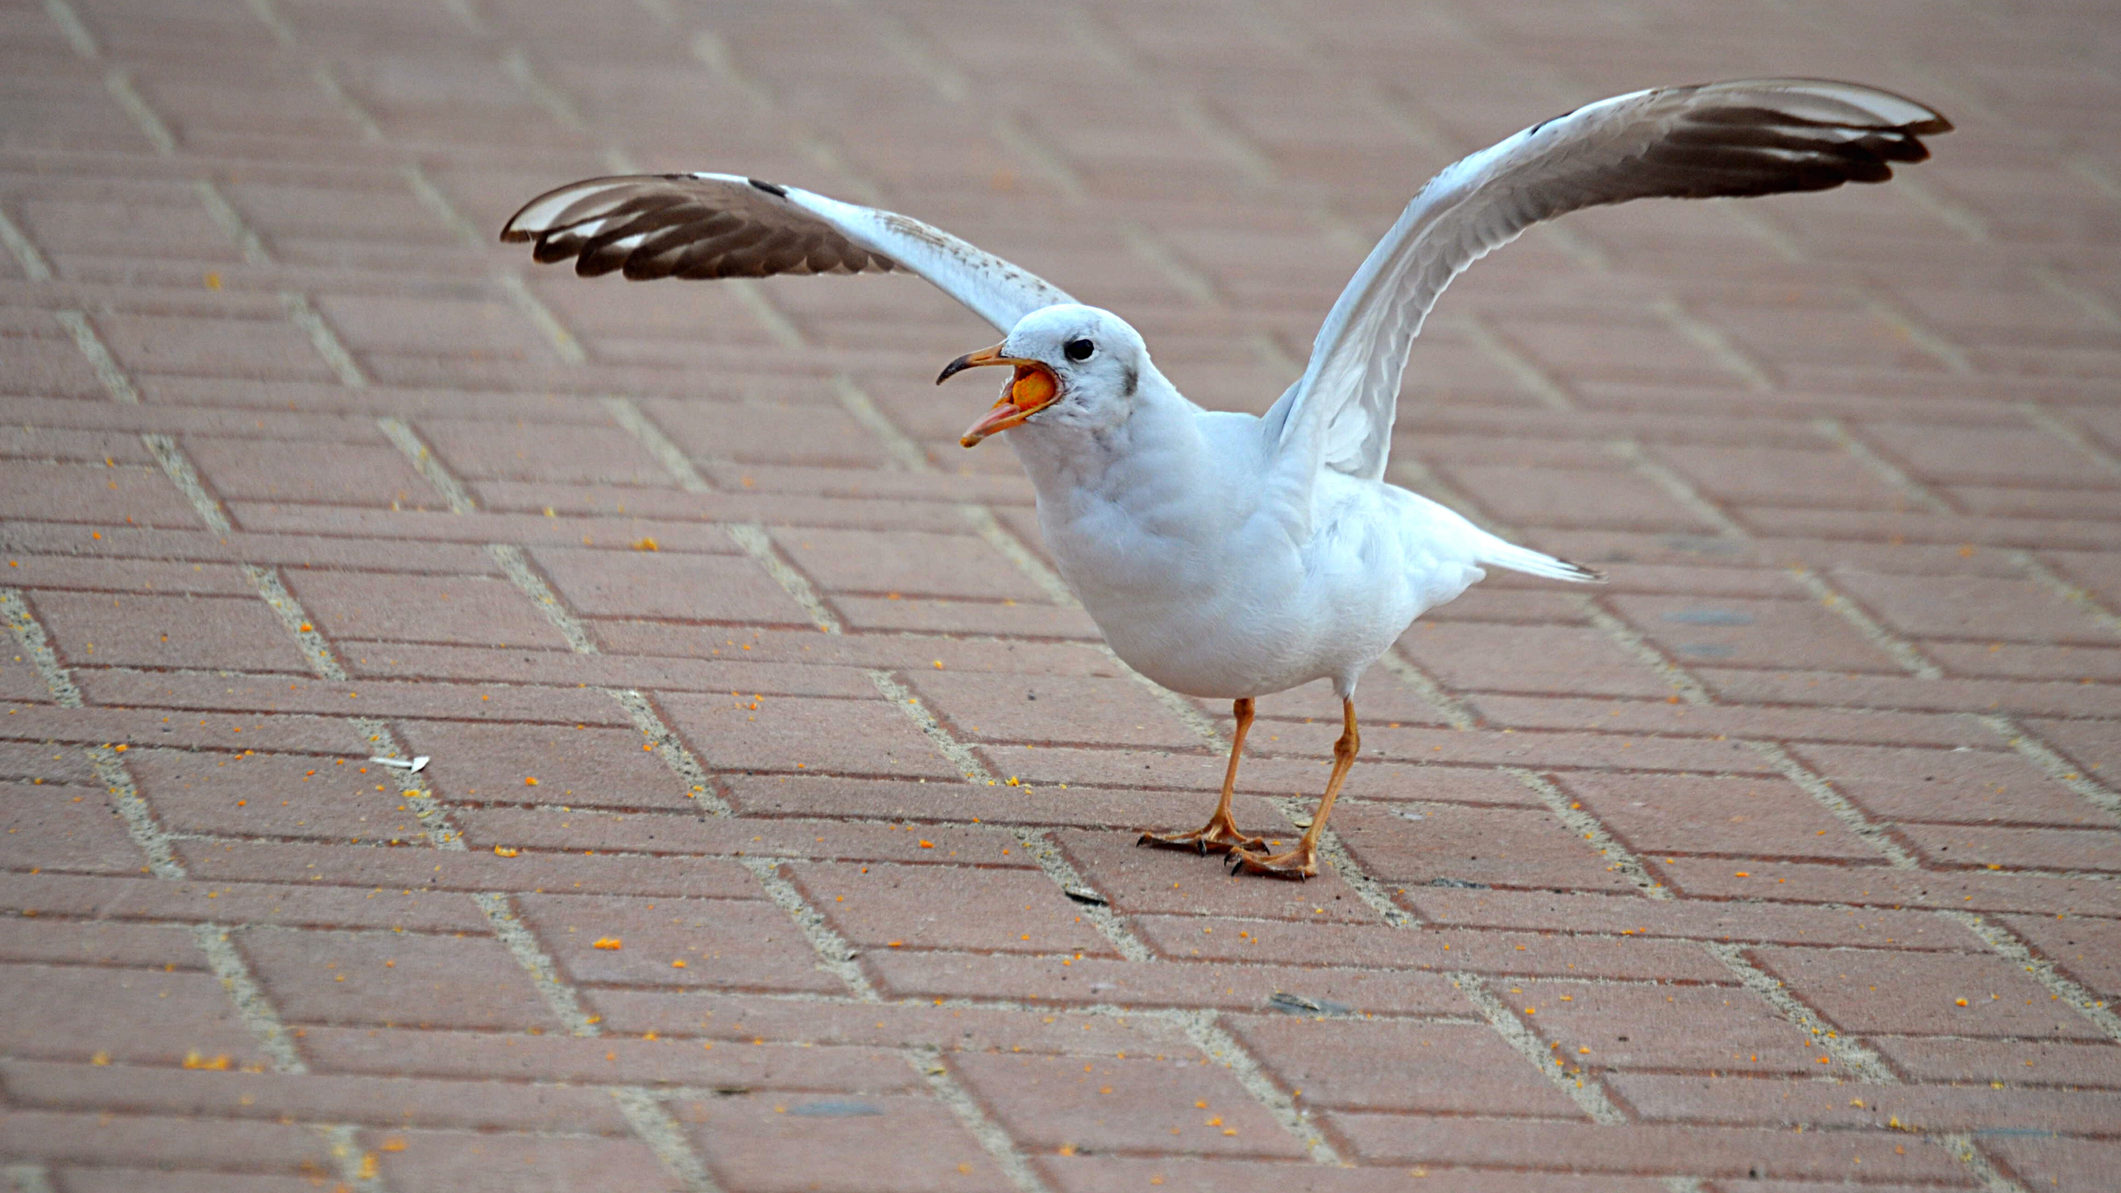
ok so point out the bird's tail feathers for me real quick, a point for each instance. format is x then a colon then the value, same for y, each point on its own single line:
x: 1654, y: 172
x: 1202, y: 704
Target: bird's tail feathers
x: 1523, y: 559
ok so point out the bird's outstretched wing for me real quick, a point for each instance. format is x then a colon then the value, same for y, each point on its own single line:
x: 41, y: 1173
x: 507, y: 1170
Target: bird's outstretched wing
x: 725, y: 226
x: 1749, y: 137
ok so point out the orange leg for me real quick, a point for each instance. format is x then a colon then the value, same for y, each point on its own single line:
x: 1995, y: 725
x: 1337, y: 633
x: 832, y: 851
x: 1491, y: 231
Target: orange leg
x: 1220, y: 833
x: 1302, y: 861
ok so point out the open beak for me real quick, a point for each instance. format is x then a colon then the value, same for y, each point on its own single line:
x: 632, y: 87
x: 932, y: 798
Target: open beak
x: 1034, y: 389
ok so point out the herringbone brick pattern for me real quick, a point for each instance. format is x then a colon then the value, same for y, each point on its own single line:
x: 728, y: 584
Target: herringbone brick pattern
x: 779, y: 828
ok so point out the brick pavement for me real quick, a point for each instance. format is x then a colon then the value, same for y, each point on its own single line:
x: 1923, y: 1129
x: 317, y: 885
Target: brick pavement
x: 767, y: 750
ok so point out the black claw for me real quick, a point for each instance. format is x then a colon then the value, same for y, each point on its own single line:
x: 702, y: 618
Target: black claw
x: 1200, y: 846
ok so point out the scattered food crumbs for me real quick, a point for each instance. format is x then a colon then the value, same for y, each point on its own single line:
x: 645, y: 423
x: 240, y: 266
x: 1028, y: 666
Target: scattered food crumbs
x: 609, y: 942
x: 530, y: 780
x: 503, y: 851
x: 645, y: 544
x: 678, y: 964
x: 1961, y: 1001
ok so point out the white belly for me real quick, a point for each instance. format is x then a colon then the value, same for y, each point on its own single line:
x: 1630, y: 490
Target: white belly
x: 1248, y: 613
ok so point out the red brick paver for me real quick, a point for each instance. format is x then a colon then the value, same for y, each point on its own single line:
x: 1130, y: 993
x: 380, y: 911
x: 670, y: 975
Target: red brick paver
x: 777, y: 833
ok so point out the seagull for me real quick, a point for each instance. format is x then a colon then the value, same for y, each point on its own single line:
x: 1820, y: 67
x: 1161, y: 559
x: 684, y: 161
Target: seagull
x: 1227, y: 556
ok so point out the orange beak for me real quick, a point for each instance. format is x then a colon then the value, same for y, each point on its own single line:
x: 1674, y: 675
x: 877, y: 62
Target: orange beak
x: 1034, y: 389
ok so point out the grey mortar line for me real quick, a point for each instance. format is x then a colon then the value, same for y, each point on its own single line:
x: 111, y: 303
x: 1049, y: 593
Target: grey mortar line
x: 1037, y: 843
x: 437, y: 204
x: 2086, y: 300
x: 1632, y: 641
x: 928, y: 1061
x: 72, y: 28
x: 467, y: 17
x: 533, y: 308
x: 1964, y: 1148
x: 1900, y: 650
x: 1527, y: 372
x: 1767, y: 232
x: 2082, y: 598
x: 1454, y: 711
x: 1716, y: 343
x: 1836, y: 432
x: 2038, y: 415
x: 836, y: 954
x: 1584, y: 1089
x: 430, y: 467
x: 30, y: 1178
x: 335, y: 92
x: 1853, y: 1055
x: 315, y: 648
x: 1889, y: 310
x: 179, y: 469
x: 1204, y: 1027
x: 1674, y: 486
x: 2053, y: 764
x: 2065, y: 989
x: 1839, y: 806
x: 119, y: 82
x: 636, y: 422
x: 1592, y: 830
x: 34, y: 267
x: 100, y: 361
x: 323, y: 339
x: 516, y: 64
x: 758, y: 544
x: 268, y: 14
x: 516, y: 566
x: 231, y: 222
x: 941, y: 75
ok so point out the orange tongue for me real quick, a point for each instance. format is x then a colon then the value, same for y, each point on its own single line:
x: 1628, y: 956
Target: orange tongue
x: 1032, y: 391
x: 1032, y: 388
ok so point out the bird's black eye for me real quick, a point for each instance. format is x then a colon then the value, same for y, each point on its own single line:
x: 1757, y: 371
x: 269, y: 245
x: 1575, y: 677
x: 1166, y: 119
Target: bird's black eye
x: 1079, y: 350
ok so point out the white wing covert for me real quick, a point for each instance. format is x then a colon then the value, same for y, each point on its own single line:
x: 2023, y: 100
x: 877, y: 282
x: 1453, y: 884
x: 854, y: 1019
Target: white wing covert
x: 725, y: 225
x: 1749, y: 137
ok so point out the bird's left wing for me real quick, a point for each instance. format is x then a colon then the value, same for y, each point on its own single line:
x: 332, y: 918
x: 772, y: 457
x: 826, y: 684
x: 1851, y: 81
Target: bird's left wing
x: 727, y: 226
x: 1750, y: 137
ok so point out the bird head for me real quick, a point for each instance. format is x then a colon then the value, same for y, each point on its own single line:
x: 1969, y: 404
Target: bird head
x: 1074, y: 364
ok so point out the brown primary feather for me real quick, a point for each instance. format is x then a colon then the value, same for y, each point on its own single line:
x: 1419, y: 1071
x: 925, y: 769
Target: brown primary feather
x: 678, y: 225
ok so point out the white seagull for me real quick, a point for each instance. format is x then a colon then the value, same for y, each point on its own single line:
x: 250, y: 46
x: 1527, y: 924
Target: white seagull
x: 1223, y: 555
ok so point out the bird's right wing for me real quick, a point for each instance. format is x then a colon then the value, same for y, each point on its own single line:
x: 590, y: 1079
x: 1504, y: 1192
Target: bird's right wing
x: 724, y: 226
x: 1749, y: 137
